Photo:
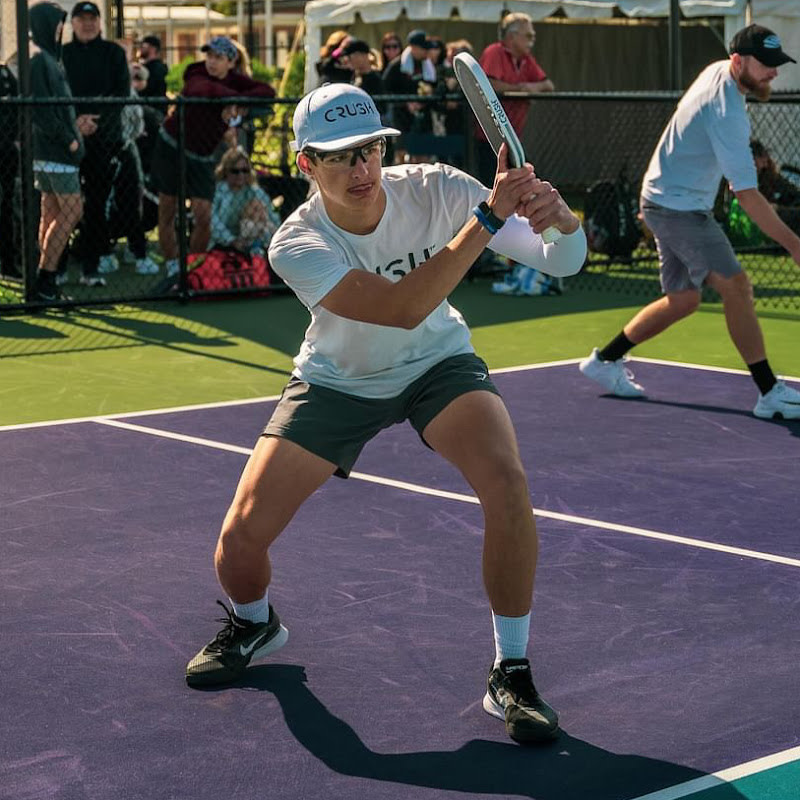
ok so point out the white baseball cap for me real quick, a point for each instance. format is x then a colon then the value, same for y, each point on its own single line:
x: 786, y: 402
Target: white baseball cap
x: 337, y: 116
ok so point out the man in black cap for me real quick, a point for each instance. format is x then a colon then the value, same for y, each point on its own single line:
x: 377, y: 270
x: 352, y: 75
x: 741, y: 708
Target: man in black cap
x: 412, y: 72
x: 365, y: 76
x: 150, y: 56
x: 96, y: 68
x: 707, y: 138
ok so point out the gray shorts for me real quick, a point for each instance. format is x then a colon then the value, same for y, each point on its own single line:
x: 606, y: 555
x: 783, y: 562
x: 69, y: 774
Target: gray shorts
x: 57, y: 182
x: 165, y: 172
x: 336, y: 426
x: 690, y: 245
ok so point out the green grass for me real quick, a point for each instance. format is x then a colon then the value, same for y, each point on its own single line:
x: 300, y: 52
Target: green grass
x: 58, y: 365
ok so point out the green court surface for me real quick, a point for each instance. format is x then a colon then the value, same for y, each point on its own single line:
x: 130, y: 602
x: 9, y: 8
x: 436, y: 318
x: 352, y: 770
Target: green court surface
x: 91, y: 361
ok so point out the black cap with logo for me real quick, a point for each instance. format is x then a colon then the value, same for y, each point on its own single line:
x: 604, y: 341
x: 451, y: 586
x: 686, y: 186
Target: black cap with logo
x: 762, y: 43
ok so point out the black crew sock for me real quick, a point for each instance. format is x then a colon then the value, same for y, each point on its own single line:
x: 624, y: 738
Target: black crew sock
x: 763, y: 375
x: 616, y: 348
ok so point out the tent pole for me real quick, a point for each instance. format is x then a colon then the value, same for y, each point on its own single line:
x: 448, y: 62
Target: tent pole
x: 675, y: 76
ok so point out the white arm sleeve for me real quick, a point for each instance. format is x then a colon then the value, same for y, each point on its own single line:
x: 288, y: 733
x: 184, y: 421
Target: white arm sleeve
x: 517, y: 241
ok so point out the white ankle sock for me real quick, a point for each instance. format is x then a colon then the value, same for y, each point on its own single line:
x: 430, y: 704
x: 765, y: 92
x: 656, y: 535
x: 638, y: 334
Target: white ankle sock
x: 510, y: 636
x: 257, y: 611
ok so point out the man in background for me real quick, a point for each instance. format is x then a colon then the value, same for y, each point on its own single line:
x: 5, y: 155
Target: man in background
x: 510, y: 67
x: 150, y: 57
x: 707, y: 138
x: 96, y: 68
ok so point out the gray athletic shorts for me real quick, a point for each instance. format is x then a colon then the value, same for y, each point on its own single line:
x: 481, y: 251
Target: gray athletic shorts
x: 336, y: 426
x: 690, y: 245
x: 57, y: 182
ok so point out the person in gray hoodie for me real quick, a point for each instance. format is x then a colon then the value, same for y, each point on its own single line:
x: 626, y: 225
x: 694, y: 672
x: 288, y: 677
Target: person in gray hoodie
x: 57, y: 146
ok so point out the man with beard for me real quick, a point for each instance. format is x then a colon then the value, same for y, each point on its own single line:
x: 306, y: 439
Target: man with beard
x: 708, y: 137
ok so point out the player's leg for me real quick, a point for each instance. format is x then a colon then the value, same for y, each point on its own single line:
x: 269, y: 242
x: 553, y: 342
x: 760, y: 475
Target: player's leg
x: 278, y: 478
x: 736, y: 292
x: 775, y: 399
x: 683, y: 241
x: 474, y: 432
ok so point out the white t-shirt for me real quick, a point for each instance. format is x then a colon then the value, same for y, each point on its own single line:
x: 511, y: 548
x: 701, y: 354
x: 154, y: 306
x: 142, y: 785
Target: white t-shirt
x: 426, y: 205
x: 707, y: 137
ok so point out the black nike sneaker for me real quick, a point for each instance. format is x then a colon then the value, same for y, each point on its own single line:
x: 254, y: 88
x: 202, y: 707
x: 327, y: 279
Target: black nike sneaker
x: 225, y: 659
x: 512, y: 697
x: 46, y: 288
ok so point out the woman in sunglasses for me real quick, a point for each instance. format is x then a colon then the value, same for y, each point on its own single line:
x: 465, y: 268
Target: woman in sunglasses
x: 242, y: 216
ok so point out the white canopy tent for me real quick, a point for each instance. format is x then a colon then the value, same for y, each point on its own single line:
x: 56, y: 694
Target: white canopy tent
x: 783, y: 16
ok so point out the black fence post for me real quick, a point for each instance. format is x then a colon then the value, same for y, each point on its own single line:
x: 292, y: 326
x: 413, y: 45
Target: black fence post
x: 182, y: 232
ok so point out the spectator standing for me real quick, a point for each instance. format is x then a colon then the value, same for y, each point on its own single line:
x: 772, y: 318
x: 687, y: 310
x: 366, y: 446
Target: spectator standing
x: 242, y: 216
x: 708, y: 137
x: 127, y: 194
x: 205, y: 127
x: 391, y: 47
x: 411, y: 73
x: 96, y: 68
x: 365, y: 76
x: 150, y: 57
x: 57, y: 147
x: 9, y: 170
x: 332, y: 67
x: 511, y: 67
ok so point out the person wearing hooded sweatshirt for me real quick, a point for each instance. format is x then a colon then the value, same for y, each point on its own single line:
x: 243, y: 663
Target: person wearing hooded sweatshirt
x: 96, y: 68
x: 204, y: 129
x: 57, y: 146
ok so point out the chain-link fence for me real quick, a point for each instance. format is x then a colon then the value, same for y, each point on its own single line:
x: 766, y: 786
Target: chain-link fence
x: 179, y: 199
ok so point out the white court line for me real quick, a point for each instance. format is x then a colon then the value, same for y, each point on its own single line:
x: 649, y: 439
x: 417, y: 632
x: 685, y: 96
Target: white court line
x: 247, y: 401
x: 131, y: 414
x: 466, y: 498
x: 724, y: 776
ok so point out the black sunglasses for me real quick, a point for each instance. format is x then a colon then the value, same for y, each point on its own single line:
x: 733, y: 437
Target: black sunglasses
x: 239, y: 171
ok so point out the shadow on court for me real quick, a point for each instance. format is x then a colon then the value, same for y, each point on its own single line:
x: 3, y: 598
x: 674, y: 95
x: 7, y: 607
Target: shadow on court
x: 792, y: 426
x: 568, y: 769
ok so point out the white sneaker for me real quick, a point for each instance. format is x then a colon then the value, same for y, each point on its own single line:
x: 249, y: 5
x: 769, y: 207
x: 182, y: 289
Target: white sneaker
x: 146, y: 266
x: 780, y: 401
x: 173, y: 267
x: 108, y: 263
x: 611, y: 375
x: 96, y: 281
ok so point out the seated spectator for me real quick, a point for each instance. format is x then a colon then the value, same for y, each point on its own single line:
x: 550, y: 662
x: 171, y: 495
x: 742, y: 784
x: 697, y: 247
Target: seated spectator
x: 783, y: 194
x: 242, y: 215
x: 57, y: 147
x: 205, y: 127
x: 331, y: 66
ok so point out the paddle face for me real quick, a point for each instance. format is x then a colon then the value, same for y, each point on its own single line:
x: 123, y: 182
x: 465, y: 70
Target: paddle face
x: 487, y: 108
x: 491, y: 116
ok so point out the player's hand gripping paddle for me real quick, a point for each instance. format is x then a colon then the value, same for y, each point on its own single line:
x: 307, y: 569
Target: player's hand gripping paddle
x: 492, y: 116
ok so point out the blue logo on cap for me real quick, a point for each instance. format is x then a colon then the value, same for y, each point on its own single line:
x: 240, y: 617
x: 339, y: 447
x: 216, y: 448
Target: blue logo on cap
x: 772, y: 42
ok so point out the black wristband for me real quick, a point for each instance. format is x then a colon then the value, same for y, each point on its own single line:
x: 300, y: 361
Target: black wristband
x: 493, y: 219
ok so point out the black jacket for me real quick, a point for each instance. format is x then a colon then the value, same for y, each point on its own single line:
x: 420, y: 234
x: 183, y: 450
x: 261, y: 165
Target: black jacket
x: 99, y: 69
x: 156, y: 80
x: 54, y: 127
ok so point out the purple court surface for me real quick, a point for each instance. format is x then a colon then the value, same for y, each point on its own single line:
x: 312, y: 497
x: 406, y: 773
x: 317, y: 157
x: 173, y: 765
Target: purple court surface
x: 664, y: 625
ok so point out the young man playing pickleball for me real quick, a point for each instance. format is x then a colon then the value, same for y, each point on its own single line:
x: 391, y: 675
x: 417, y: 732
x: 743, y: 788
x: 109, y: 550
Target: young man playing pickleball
x: 373, y: 255
x: 708, y: 137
